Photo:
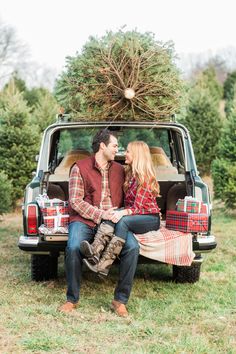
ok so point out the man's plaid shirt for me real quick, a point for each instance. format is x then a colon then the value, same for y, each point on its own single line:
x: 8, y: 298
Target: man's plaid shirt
x: 140, y: 201
x: 76, y: 195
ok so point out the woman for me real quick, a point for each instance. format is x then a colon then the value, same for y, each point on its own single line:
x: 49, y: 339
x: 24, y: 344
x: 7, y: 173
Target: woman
x: 140, y: 215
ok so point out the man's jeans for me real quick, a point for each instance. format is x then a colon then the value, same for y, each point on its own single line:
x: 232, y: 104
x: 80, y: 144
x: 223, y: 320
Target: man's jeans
x: 79, y: 232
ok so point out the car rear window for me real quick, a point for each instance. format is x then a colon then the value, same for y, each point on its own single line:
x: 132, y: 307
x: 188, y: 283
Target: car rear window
x: 81, y: 139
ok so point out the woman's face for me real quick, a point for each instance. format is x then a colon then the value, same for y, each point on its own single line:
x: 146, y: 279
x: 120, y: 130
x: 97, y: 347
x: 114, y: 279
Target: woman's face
x: 128, y: 156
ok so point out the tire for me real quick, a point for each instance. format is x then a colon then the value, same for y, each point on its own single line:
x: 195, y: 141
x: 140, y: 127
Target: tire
x: 43, y: 267
x: 187, y: 274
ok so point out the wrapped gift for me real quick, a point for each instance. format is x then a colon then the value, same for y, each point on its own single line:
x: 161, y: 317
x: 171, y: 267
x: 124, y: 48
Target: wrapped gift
x: 186, y: 222
x: 52, y: 207
x: 56, y: 221
x: 54, y: 210
x: 44, y: 202
x: 191, y: 205
x: 50, y: 231
x: 56, y: 216
x: 55, y: 202
x: 55, y: 213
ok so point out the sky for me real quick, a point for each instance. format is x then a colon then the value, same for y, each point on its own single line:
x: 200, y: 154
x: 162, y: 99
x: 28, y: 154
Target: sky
x: 55, y: 29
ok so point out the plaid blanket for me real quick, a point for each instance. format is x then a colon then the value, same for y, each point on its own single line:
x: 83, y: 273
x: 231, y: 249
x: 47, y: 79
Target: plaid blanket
x: 168, y: 246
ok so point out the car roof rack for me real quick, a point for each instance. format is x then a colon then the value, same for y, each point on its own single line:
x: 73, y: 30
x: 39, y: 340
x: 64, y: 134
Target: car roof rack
x: 62, y: 117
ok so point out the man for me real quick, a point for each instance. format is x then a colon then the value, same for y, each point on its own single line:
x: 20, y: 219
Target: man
x: 95, y: 190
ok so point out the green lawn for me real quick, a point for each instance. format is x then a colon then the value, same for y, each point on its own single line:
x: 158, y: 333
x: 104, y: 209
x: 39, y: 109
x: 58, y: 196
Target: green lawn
x: 164, y: 317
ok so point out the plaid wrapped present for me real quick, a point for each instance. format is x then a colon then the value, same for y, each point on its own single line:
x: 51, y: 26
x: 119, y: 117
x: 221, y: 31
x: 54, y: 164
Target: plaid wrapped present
x: 56, y: 221
x: 55, y: 202
x: 55, y: 210
x: 51, y: 231
x: 44, y: 201
x: 186, y: 222
x: 191, y: 205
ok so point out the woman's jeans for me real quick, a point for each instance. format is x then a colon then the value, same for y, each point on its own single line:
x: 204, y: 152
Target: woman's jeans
x: 138, y: 224
x: 79, y: 232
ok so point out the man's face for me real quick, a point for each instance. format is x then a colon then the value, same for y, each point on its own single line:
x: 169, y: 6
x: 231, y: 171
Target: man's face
x: 111, y: 149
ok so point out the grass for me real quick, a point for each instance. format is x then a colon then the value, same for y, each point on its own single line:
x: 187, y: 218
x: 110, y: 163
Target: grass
x: 164, y: 317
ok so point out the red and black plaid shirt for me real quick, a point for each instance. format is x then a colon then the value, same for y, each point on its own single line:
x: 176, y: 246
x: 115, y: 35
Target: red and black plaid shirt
x: 140, y: 201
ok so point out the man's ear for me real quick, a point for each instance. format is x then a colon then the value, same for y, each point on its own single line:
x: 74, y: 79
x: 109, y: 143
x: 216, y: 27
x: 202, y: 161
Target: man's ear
x: 102, y: 146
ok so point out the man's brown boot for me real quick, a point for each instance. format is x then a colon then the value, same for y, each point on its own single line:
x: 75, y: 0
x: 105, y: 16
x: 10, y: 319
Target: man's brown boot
x: 119, y: 308
x: 109, y: 255
x: 101, y: 239
x: 67, y: 307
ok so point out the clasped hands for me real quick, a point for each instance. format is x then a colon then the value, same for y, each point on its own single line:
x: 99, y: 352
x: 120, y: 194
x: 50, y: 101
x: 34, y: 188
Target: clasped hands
x: 114, y: 215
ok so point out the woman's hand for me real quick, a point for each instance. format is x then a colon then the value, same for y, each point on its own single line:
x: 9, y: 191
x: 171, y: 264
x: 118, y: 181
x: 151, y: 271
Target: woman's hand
x: 108, y: 214
x: 118, y: 215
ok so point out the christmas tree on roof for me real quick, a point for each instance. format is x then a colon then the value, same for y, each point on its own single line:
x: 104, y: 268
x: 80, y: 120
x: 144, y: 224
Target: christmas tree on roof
x: 121, y: 76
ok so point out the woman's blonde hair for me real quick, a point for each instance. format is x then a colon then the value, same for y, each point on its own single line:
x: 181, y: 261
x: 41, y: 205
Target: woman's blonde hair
x: 142, y: 167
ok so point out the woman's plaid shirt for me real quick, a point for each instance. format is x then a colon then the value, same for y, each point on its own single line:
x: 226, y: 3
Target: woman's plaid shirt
x: 140, y: 201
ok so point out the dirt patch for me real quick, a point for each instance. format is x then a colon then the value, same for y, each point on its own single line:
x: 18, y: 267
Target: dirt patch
x: 13, y: 219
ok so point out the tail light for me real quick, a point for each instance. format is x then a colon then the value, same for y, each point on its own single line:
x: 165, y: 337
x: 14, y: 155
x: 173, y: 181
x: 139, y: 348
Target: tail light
x: 32, y: 219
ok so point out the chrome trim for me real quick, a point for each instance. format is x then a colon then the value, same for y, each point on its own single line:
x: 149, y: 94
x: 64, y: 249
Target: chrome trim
x: 206, y: 239
x: 197, y: 260
x: 55, y: 237
x: 31, y: 240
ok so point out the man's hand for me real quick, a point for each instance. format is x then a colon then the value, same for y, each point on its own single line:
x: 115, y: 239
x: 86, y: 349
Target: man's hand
x: 108, y: 214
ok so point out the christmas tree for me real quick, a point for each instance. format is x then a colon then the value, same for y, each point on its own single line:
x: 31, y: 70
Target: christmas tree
x: 121, y: 76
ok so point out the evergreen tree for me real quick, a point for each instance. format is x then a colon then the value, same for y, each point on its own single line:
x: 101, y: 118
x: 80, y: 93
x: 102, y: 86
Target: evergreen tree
x: 204, y: 123
x: 18, y: 139
x: 45, y: 110
x: 123, y: 76
x: 19, y: 83
x: 208, y: 80
x: 32, y: 96
x: 229, y: 91
x: 5, y: 193
x: 224, y: 167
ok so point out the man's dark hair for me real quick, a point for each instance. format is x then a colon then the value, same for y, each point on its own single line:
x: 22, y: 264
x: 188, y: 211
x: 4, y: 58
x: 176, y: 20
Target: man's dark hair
x: 103, y: 136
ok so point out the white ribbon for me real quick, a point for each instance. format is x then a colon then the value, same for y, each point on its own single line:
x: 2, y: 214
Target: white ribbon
x: 41, y: 199
x: 191, y: 199
x: 57, y: 219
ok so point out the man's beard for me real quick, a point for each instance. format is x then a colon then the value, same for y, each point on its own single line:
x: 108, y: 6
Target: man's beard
x: 109, y: 158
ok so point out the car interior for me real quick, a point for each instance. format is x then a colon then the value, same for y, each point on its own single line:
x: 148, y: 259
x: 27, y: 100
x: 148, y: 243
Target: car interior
x: 169, y: 173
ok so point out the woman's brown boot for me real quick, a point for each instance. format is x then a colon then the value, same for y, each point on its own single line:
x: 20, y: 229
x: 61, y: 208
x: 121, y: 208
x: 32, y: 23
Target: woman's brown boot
x: 103, y: 236
x: 109, y: 255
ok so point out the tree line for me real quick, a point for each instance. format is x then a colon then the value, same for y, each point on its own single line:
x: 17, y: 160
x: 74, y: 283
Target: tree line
x: 24, y: 114
x: 210, y: 116
x: 208, y: 111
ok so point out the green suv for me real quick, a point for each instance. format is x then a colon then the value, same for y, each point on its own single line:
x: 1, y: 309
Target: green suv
x: 65, y: 142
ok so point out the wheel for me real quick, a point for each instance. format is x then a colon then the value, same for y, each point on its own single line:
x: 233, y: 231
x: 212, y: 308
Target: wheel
x: 43, y: 267
x: 186, y: 274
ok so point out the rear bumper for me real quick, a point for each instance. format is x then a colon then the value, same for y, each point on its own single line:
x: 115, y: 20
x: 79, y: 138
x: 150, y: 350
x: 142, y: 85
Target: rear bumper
x: 37, y: 245
x: 58, y: 244
x: 204, y: 244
